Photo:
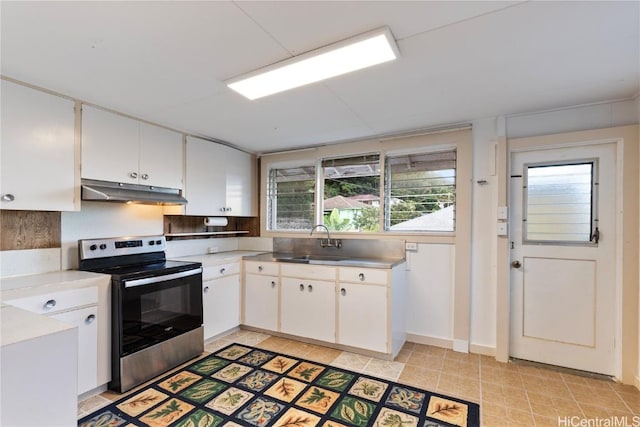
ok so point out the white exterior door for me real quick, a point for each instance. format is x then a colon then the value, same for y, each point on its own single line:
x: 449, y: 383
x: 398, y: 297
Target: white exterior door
x: 563, y: 274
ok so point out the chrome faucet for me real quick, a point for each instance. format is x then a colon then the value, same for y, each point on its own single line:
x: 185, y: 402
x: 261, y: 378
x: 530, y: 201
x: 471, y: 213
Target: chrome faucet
x: 328, y: 242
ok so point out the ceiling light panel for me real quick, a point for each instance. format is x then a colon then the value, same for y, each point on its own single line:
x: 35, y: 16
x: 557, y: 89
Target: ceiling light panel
x: 356, y: 53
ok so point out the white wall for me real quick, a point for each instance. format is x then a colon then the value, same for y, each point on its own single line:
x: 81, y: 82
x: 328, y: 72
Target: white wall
x: 102, y: 219
x: 594, y: 116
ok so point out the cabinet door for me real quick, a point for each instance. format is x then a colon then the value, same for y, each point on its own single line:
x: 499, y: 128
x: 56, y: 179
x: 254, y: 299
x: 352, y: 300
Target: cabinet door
x: 205, y: 178
x: 86, y: 320
x: 308, y: 308
x: 221, y: 305
x: 37, y: 150
x: 261, y: 301
x: 239, y: 182
x: 110, y: 148
x: 362, y: 316
x: 160, y: 157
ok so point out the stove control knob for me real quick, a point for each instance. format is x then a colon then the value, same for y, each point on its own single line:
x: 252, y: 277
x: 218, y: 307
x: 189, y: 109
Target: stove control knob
x: 158, y: 242
x: 152, y: 242
x: 93, y: 247
x: 103, y: 246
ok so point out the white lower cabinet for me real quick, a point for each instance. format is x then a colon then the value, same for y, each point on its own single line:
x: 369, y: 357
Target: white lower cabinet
x: 77, y: 307
x: 86, y: 320
x: 261, y: 301
x: 362, y: 308
x: 308, y: 308
x: 220, y: 305
x: 362, y: 316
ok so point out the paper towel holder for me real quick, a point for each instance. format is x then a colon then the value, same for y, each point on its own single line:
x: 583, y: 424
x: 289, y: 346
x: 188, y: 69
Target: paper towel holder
x: 216, y: 221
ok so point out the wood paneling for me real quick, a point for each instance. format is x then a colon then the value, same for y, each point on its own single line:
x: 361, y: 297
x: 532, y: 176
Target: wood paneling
x: 29, y: 230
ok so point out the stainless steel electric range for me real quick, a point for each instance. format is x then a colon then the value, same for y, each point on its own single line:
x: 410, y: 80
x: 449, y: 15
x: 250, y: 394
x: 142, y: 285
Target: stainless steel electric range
x: 156, y: 311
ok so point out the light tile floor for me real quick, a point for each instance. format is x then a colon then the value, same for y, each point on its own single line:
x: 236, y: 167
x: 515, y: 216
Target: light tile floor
x: 509, y: 394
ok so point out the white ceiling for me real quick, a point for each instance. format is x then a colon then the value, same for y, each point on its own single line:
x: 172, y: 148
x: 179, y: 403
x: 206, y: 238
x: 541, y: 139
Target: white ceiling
x: 165, y: 62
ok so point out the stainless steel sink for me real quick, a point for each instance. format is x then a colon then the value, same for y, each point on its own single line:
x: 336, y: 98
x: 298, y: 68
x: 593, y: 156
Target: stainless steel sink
x: 311, y: 259
x: 333, y: 260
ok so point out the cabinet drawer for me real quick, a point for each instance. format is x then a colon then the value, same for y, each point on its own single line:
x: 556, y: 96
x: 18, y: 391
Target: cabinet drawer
x: 54, y: 302
x: 267, y: 268
x: 308, y: 271
x: 364, y: 275
x: 216, y: 271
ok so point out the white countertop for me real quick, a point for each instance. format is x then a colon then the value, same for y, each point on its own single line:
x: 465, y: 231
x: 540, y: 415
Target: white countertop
x: 72, y: 278
x: 20, y: 325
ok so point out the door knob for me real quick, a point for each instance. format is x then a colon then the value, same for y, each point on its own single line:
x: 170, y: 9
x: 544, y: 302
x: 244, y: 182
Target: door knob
x: 516, y: 264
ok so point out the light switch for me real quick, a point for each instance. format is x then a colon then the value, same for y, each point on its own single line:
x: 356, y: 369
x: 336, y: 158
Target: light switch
x: 503, y: 212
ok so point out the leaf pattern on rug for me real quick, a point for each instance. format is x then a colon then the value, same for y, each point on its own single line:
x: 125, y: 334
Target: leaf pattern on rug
x: 209, y: 365
x: 261, y: 411
x: 407, y: 399
x: 201, y: 418
x: 203, y: 391
x: 354, y: 411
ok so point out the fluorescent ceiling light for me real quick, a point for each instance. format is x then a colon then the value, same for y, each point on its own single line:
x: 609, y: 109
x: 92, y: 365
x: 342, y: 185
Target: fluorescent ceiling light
x: 356, y: 53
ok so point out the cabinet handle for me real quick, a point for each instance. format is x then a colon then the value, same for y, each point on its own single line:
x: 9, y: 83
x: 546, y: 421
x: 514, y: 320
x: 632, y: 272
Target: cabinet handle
x: 8, y: 197
x: 301, y: 287
x: 310, y: 288
x: 223, y: 209
x: 222, y: 270
x: 133, y: 174
x: 259, y: 268
x: 206, y: 289
x: 90, y: 318
x: 50, y: 304
x: 273, y: 284
x: 361, y: 276
x: 343, y: 291
x: 144, y: 176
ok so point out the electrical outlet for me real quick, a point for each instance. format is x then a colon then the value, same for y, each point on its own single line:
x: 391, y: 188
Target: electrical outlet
x: 411, y: 246
x: 213, y: 249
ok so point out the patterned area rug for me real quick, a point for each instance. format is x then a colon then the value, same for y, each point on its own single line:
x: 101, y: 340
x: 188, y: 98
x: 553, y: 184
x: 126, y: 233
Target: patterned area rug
x: 245, y: 386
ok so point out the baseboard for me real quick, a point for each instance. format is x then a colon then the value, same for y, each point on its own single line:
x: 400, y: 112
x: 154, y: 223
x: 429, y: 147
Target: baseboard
x: 485, y: 350
x: 461, y: 346
x: 482, y: 349
x: 427, y: 340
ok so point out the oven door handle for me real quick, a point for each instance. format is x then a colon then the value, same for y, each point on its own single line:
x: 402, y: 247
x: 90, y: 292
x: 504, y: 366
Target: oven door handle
x: 164, y: 278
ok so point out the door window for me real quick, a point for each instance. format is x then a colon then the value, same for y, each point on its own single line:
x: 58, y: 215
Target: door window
x: 560, y: 203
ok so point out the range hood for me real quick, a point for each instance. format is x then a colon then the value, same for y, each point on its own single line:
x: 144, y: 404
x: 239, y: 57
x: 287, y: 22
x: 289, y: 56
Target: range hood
x: 105, y: 191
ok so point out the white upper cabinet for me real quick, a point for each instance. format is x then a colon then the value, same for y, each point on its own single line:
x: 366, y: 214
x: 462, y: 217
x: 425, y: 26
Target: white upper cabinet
x: 219, y: 180
x: 160, y: 157
x: 37, y: 147
x: 119, y: 149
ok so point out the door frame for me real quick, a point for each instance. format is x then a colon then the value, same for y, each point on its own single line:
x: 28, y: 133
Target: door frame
x: 626, y: 283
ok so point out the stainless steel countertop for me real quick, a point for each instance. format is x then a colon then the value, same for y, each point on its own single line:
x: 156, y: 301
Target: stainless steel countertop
x: 336, y: 261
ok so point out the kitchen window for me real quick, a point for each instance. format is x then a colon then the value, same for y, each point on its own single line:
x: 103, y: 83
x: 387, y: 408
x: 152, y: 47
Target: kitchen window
x: 291, y: 198
x: 351, y: 199
x: 412, y: 192
x: 420, y: 192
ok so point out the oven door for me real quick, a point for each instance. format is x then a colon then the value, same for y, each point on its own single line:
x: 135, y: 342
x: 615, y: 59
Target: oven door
x: 155, y: 309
